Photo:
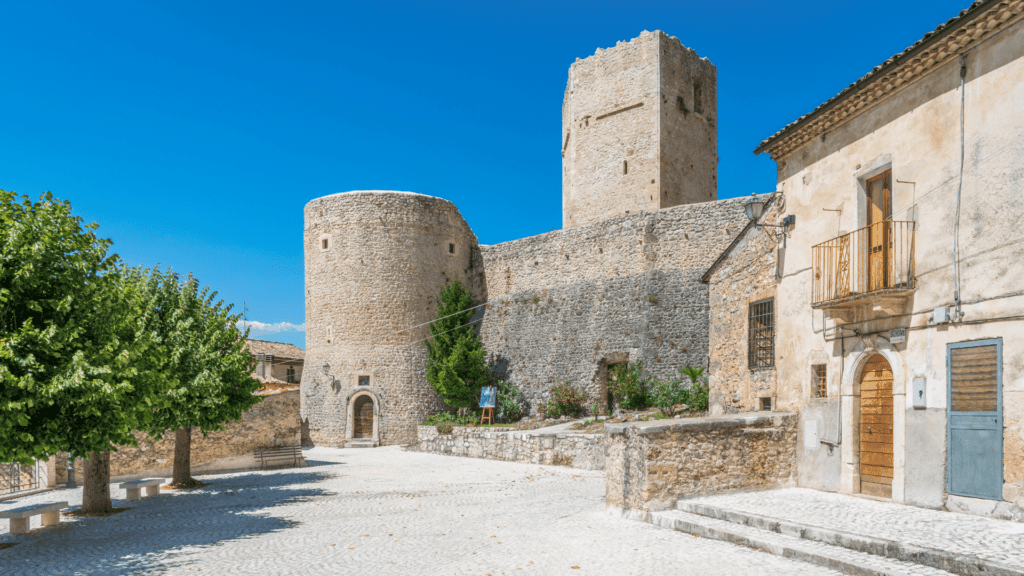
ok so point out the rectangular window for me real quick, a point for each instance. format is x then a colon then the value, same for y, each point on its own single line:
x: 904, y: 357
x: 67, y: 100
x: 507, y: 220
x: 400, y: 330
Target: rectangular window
x: 323, y: 243
x: 625, y: 167
x: 260, y: 370
x: 819, y: 372
x: 974, y: 379
x: 290, y: 375
x: 766, y: 404
x: 451, y: 248
x: 761, y: 334
x: 364, y: 380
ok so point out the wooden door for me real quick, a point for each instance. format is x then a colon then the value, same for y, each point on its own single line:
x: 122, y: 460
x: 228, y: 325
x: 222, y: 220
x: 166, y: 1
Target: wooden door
x: 879, y: 199
x: 975, y: 436
x: 362, y: 413
x: 876, y: 408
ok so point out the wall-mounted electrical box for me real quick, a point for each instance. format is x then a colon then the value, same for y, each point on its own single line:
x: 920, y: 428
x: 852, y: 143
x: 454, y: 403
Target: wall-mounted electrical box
x: 940, y: 315
x: 897, y: 335
x: 918, y: 392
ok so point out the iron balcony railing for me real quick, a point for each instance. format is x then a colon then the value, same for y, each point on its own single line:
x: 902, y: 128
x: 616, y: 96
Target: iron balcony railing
x: 875, y: 258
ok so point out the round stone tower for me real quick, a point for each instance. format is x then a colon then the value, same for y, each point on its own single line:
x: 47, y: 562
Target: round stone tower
x: 375, y: 262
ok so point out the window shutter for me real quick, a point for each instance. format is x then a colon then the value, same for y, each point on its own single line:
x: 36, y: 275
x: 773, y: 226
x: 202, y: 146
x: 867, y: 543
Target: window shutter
x: 973, y: 374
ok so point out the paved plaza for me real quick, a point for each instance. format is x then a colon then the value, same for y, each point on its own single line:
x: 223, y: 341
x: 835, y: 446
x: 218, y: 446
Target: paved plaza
x: 377, y: 511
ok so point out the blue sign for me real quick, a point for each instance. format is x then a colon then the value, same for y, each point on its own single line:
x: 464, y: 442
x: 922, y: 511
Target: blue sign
x: 488, y: 394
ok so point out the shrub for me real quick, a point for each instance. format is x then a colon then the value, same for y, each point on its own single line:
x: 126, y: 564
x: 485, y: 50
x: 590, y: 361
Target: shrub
x: 698, y: 388
x: 509, y: 401
x: 629, y: 388
x: 452, y: 418
x: 566, y: 400
x: 445, y: 428
x: 668, y: 394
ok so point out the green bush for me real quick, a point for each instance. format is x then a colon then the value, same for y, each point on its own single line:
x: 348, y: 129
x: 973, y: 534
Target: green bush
x: 445, y: 428
x: 509, y: 401
x: 698, y: 388
x: 452, y: 418
x: 566, y: 400
x: 668, y: 394
x: 630, y: 389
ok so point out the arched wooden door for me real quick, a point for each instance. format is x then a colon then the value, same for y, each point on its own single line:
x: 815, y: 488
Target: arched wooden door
x: 876, y: 412
x: 362, y: 414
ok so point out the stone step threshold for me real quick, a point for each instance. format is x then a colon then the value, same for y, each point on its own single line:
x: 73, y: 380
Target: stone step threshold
x: 826, y: 543
x: 792, y: 547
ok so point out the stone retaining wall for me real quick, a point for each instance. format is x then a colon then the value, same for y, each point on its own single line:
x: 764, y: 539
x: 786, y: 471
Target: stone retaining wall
x: 649, y: 466
x: 585, y: 451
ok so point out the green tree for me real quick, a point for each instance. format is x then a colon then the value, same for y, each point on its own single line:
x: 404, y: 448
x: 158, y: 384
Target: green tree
x: 76, y: 366
x: 206, y: 363
x: 456, y: 359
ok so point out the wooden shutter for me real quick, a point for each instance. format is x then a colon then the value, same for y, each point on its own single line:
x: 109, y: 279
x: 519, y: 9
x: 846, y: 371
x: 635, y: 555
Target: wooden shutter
x: 973, y: 378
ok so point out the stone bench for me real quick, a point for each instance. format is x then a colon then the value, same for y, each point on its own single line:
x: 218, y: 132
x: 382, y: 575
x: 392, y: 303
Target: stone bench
x: 134, y: 487
x: 20, y: 517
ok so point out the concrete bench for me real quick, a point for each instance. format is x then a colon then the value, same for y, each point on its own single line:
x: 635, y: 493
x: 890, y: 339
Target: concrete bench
x: 280, y: 456
x: 20, y: 517
x: 134, y: 487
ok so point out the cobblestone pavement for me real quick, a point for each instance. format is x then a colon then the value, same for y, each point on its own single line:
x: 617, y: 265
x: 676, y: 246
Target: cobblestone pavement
x: 995, y: 540
x: 377, y: 511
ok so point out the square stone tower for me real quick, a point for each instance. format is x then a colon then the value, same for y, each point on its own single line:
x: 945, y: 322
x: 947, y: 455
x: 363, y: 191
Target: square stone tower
x: 638, y: 130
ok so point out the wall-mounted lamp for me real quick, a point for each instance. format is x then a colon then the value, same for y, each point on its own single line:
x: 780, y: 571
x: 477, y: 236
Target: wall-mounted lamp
x: 754, y: 207
x: 327, y: 368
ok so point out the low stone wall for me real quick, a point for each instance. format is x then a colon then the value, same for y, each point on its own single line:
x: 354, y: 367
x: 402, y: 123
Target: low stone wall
x: 584, y: 451
x: 650, y: 465
x: 273, y: 422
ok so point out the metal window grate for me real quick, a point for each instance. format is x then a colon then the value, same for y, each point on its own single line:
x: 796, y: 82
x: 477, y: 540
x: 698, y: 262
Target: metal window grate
x: 16, y: 477
x: 820, y: 374
x: 364, y: 380
x: 761, y: 336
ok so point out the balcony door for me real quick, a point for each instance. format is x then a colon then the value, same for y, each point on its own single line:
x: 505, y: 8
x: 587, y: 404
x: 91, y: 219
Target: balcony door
x: 879, y: 201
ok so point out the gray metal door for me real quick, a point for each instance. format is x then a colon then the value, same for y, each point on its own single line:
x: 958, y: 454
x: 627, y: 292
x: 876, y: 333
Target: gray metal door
x: 975, y: 435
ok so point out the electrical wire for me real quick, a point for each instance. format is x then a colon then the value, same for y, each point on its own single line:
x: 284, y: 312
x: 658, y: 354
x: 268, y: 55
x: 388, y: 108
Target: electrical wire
x: 958, y: 314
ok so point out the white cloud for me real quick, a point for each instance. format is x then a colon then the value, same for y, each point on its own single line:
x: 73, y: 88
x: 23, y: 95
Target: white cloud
x: 271, y: 328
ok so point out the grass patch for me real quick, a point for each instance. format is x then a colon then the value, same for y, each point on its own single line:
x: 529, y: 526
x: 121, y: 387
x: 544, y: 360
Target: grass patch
x: 80, y: 514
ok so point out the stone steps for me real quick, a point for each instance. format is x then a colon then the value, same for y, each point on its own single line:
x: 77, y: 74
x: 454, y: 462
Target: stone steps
x: 731, y: 521
x: 820, y: 554
x: 360, y: 443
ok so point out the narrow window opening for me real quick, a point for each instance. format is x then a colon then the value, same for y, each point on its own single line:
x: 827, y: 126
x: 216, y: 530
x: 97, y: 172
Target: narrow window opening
x: 323, y: 243
x: 290, y: 375
x: 698, y: 105
x: 761, y: 334
x: 451, y: 248
x: 625, y: 167
x: 766, y: 404
x: 330, y: 334
x: 819, y: 373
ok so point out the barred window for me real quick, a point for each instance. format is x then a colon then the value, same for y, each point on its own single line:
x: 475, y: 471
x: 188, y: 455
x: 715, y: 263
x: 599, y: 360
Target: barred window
x: 364, y: 380
x: 819, y: 372
x: 761, y: 336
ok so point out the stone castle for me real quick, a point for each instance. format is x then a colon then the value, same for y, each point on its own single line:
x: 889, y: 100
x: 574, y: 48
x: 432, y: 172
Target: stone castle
x: 620, y: 282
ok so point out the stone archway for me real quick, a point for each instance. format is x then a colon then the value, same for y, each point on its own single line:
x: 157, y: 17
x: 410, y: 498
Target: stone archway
x: 362, y: 426
x: 857, y: 360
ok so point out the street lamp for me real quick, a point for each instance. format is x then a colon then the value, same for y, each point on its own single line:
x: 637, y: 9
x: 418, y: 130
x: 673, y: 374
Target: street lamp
x: 754, y: 207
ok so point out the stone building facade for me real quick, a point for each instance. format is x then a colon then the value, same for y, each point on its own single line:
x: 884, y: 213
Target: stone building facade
x: 638, y: 130
x: 620, y: 283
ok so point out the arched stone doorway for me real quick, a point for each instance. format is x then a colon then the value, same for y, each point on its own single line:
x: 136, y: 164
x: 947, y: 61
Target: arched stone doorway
x: 363, y: 426
x: 876, y: 427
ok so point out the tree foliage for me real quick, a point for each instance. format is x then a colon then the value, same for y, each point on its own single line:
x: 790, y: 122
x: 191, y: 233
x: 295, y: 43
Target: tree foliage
x: 456, y: 359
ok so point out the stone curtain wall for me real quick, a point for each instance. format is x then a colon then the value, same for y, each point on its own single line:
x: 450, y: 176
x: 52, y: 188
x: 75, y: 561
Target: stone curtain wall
x: 272, y: 422
x: 387, y: 259
x: 584, y: 451
x: 621, y: 106
x: 563, y: 304
x: 746, y: 275
x: 649, y: 466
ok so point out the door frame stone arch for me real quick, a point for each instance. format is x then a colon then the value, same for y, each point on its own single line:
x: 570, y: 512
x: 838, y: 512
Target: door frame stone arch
x: 350, y: 403
x: 853, y: 368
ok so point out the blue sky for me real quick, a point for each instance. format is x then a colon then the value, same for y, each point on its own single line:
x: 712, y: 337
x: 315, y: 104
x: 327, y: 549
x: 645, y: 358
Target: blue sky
x: 194, y: 132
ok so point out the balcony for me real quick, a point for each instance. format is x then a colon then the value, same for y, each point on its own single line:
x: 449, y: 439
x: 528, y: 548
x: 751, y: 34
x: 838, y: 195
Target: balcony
x: 872, y: 267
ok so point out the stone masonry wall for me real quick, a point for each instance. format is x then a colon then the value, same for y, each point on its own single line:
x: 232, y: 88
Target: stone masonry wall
x: 388, y: 255
x: 628, y: 144
x: 745, y: 276
x: 649, y: 466
x: 584, y: 451
x: 565, y: 304
x: 272, y: 422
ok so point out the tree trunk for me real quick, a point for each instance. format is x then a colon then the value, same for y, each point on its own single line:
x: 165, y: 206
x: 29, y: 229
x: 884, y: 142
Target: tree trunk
x: 182, y: 475
x: 96, y: 485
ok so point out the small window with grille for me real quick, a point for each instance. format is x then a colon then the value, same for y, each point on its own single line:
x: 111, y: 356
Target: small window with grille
x: 761, y: 334
x: 819, y: 373
x: 364, y: 380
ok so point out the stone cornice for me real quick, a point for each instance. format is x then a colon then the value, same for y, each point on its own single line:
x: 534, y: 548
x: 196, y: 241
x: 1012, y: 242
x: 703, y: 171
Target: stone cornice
x: 982, y: 19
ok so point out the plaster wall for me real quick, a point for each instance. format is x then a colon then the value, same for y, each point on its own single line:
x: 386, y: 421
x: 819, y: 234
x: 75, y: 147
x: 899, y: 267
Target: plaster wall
x: 388, y: 255
x: 631, y: 140
x: 915, y: 133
